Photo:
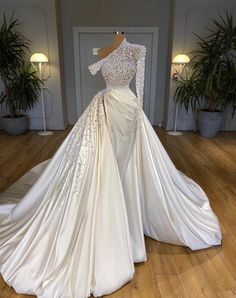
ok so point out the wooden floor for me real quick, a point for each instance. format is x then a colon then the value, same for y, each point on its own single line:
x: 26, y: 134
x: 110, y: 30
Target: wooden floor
x: 170, y: 271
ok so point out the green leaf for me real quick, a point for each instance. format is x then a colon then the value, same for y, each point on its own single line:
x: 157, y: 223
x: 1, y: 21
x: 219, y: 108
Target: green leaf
x: 211, y: 76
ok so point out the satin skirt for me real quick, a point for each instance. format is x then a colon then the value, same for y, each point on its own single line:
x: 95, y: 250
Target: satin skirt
x: 74, y: 225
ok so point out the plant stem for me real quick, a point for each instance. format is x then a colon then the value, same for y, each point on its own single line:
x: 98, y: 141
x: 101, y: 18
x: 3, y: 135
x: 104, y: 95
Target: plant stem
x: 211, y: 103
x: 8, y: 97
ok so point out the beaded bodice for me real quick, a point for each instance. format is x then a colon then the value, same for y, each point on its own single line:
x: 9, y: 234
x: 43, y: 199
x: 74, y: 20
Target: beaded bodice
x: 120, y: 66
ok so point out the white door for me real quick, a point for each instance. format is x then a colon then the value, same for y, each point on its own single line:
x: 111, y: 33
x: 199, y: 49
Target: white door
x: 88, y: 39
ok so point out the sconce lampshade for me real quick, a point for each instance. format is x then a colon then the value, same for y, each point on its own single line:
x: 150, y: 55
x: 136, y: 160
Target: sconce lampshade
x: 181, y: 59
x: 38, y: 58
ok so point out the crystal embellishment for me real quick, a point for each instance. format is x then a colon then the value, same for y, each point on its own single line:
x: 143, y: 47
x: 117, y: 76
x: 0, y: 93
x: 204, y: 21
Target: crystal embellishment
x: 120, y: 66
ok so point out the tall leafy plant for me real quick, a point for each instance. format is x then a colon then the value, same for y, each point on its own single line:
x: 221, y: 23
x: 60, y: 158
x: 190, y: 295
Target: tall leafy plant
x: 21, y: 84
x: 210, y: 81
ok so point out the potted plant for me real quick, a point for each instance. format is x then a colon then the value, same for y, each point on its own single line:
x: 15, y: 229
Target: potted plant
x: 21, y: 83
x: 209, y: 83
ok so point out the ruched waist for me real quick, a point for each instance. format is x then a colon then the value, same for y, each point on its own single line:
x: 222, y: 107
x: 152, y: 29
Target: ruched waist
x: 110, y: 87
x: 122, y: 94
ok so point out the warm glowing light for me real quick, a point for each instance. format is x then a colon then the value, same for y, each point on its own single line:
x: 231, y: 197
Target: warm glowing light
x: 181, y: 59
x: 38, y: 58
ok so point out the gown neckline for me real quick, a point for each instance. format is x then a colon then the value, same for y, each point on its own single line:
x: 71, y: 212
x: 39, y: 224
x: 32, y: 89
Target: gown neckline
x: 115, y: 50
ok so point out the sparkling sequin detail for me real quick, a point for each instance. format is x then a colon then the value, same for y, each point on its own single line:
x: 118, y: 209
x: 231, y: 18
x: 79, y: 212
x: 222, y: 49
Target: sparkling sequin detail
x: 118, y: 69
x: 81, y: 145
x: 120, y: 66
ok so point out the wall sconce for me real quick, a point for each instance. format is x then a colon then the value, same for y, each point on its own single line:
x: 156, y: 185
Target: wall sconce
x: 39, y: 61
x: 181, y: 60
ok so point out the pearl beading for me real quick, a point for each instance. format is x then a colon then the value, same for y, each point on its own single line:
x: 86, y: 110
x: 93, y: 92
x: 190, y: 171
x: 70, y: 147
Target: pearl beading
x: 120, y: 66
x: 118, y: 69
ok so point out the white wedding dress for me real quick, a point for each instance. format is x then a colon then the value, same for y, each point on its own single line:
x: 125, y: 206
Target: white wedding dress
x: 74, y: 225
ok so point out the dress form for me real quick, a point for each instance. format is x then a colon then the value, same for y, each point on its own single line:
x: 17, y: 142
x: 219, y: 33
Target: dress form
x: 117, y: 39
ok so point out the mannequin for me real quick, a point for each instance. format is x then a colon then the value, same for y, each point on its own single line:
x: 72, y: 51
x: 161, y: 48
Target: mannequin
x: 117, y: 39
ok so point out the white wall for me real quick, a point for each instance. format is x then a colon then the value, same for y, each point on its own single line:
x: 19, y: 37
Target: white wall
x: 39, y: 24
x: 194, y: 16
x: 153, y: 13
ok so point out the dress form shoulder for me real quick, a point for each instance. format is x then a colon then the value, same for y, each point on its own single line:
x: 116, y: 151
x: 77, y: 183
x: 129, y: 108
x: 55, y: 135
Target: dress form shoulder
x: 105, y: 51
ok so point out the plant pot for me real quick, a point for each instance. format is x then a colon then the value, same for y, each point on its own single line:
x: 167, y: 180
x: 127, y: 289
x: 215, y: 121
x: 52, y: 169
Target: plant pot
x: 209, y: 122
x: 16, y: 125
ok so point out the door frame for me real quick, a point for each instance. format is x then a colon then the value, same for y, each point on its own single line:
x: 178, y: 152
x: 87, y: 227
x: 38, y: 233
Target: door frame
x: 154, y: 31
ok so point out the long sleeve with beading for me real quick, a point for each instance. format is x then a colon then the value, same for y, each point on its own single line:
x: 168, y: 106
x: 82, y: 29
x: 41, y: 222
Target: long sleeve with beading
x: 140, y: 74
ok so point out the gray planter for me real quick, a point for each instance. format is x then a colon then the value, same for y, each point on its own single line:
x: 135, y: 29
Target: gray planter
x: 15, y: 126
x: 209, y: 123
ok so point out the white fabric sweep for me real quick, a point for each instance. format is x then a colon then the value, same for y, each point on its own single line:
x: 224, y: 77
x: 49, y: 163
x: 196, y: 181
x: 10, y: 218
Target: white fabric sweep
x: 74, y: 225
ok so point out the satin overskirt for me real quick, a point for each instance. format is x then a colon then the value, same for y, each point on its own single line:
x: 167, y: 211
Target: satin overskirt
x: 74, y: 225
